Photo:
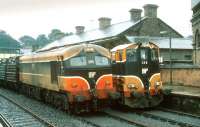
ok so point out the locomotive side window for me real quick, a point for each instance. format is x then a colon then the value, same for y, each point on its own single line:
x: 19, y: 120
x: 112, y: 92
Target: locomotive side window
x: 131, y: 55
x: 101, y: 60
x: 120, y: 55
x: 78, y: 61
x: 54, y: 71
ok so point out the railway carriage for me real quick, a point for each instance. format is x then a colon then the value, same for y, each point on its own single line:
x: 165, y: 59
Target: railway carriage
x: 136, y: 74
x: 9, y: 72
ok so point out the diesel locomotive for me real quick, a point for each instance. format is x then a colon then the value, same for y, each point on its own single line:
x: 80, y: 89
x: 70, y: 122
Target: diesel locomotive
x: 136, y: 74
x: 77, y: 78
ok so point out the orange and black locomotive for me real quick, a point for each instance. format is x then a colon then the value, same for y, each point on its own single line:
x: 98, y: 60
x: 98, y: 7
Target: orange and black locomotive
x: 75, y: 77
x: 136, y: 74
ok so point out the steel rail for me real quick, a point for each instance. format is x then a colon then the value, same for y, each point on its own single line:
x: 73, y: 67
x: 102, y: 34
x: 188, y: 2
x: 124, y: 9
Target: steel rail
x: 182, y: 124
x: 88, y: 122
x: 4, y: 121
x: 179, y: 113
x: 28, y: 111
x: 130, y: 121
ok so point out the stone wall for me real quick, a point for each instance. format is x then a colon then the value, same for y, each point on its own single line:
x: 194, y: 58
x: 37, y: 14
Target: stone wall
x: 152, y: 27
x: 188, y: 76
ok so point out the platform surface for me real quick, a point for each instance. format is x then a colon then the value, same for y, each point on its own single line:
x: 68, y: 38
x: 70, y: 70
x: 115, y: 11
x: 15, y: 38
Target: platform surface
x: 184, y: 90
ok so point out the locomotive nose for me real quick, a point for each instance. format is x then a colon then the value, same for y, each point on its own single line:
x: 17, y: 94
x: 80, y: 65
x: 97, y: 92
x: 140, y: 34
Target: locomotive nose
x: 105, y: 88
x: 76, y: 87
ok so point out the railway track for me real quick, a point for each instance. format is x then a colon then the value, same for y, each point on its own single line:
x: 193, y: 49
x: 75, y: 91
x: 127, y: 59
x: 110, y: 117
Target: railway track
x: 60, y: 118
x: 179, y: 113
x: 128, y: 120
x: 17, y: 115
x: 110, y: 118
x: 175, y: 117
x: 4, y: 122
x: 154, y: 118
x: 157, y: 116
x: 101, y: 119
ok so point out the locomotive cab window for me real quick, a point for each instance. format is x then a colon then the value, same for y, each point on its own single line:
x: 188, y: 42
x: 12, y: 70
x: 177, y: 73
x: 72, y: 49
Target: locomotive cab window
x: 144, y: 54
x: 131, y: 55
x: 78, y: 61
x: 101, y: 60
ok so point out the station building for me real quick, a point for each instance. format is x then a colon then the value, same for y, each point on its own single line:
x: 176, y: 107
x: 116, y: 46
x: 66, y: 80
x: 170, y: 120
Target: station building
x: 196, y: 30
x: 8, y: 46
x: 147, y: 26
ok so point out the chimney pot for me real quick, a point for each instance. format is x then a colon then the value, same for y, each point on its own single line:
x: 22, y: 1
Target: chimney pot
x: 150, y: 10
x: 104, y: 22
x: 79, y: 29
x: 135, y: 14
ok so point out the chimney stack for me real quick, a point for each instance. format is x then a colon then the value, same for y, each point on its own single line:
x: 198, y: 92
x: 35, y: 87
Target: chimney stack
x: 135, y: 14
x: 150, y: 10
x: 104, y: 22
x: 79, y: 29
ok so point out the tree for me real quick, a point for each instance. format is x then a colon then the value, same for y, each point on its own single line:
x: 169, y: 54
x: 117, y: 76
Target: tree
x: 55, y: 34
x: 7, y: 43
x: 42, y: 40
x: 27, y: 40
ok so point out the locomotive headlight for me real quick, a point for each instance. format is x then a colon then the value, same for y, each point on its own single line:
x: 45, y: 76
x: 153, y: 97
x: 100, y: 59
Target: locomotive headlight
x: 89, y: 49
x: 157, y: 84
x: 131, y: 86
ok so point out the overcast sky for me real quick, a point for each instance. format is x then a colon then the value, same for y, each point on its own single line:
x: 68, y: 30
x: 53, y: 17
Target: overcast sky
x: 33, y: 17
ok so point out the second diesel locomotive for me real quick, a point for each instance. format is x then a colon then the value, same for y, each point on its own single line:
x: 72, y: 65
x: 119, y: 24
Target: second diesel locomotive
x: 76, y: 77
x: 136, y: 74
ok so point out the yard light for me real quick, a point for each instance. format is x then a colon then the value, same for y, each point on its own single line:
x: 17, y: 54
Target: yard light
x: 170, y: 51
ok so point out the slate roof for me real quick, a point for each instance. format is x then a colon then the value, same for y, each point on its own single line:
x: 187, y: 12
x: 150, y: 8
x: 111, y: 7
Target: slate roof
x: 98, y: 34
x: 163, y: 42
x: 93, y: 35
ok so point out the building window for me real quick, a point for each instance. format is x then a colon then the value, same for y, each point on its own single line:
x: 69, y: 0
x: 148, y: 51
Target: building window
x: 197, y: 38
x: 188, y: 57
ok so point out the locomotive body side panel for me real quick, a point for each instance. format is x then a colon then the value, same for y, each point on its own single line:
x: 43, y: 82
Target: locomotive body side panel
x: 38, y: 74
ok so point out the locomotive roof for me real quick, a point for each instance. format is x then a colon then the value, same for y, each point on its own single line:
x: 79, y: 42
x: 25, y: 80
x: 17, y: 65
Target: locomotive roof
x: 62, y: 53
x: 120, y: 47
x: 134, y: 45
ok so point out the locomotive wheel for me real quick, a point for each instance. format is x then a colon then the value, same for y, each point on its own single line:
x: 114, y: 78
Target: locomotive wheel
x: 66, y: 106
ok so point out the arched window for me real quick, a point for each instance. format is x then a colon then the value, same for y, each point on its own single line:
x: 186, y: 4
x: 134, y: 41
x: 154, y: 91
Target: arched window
x: 197, y: 38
